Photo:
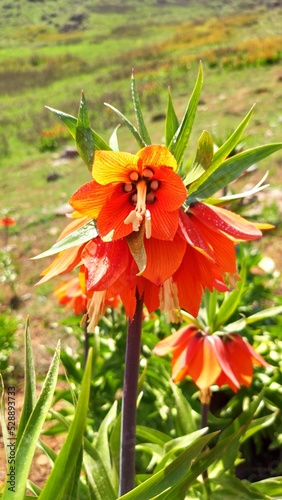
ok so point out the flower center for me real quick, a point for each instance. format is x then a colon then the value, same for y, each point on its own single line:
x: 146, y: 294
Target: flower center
x: 143, y: 192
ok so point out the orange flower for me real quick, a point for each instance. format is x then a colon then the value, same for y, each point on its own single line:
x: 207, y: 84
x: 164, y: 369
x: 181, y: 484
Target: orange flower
x: 129, y: 189
x: 7, y: 221
x: 210, y: 359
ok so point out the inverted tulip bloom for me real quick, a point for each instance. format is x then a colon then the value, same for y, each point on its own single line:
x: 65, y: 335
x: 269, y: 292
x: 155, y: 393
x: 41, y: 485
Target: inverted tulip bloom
x: 129, y: 190
x: 210, y: 359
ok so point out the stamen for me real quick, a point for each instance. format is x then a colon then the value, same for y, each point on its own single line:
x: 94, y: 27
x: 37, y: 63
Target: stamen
x: 169, y: 300
x: 147, y: 173
x: 154, y: 185
x: 134, y: 198
x: 141, y: 197
x: 127, y: 187
x: 134, y: 176
x: 135, y: 219
x: 148, y: 224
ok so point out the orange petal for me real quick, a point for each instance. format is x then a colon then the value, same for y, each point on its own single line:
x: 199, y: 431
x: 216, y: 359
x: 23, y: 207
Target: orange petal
x: 188, y: 283
x: 164, y: 224
x: 257, y: 359
x: 73, y: 226
x: 171, y: 192
x: 90, y: 198
x: 204, y: 367
x: 163, y: 258
x: 157, y: 156
x: 223, y: 247
x: 222, y: 220
x: 219, y: 346
x: 113, y: 214
x: 104, y: 263
x: 240, y: 361
x: 66, y: 261
x: 113, y: 166
x: 180, y: 338
x: 193, y: 236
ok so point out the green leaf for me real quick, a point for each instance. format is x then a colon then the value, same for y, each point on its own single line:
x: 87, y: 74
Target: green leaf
x: 28, y: 441
x: 71, y: 124
x: 131, y: 127
x: 113, y: 142
x: 152, y: 435
x: 271, y: 486
x: 180, y: 139
x: 170, y: 475
x: 231, y: 487
x: 185, y: 421
x: 69, y: 120
x: 242, y: 423
x: 83, y: 136
x: 138, y: 113
x: 172, y: 123
x: 231, y: 301
x: 203, y: 158
x: 81, y: 235
x: 65, y: 464
x: 258, y: 424
x: 231, y: 197
x: 222, y: 153
x: 3, y: 416
x: 215, y: 179
x: 174, y: 446
x: 102, y: 444
x: 259, y: 316
x: 29, y: 385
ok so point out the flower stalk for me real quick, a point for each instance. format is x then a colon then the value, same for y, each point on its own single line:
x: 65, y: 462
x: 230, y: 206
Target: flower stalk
x: 130, y: 391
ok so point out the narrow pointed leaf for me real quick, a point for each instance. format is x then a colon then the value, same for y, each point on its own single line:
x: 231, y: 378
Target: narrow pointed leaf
x: 65, y: 464
x: 215, y: 179
x: 138, y: 113
x: 78, y: 237
x: 181, y: 137
x: 271, y: 486
x: 83, y: 136
x: 170, y: 475
x: 202, y: 160
x: 102, y: 442
x: 230, y: 302
x: 3, y: 416
x: 172, y: 123
x: 113, y: 142
x: 71, y: 124
x: 28, y: 441
x: 222, y: 153
x: 226, y: 199
x: 131, y: 127
x: 29, y: 385
x: 261, y: 315
x: 185, y: 421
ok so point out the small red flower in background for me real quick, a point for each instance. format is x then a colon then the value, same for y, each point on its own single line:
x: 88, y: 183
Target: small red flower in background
x: 210, y: 359
x: 7, y: 221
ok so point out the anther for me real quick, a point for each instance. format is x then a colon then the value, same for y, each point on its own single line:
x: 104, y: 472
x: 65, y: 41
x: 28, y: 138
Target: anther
x: 147, y: 173
x: 127, y: 187
x: 154, y: 185
x: 134, y: 198
x: 134, y: 176
x: 150, y: 198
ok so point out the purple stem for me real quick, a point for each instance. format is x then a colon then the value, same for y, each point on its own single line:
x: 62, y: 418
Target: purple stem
x: 130, y: 392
